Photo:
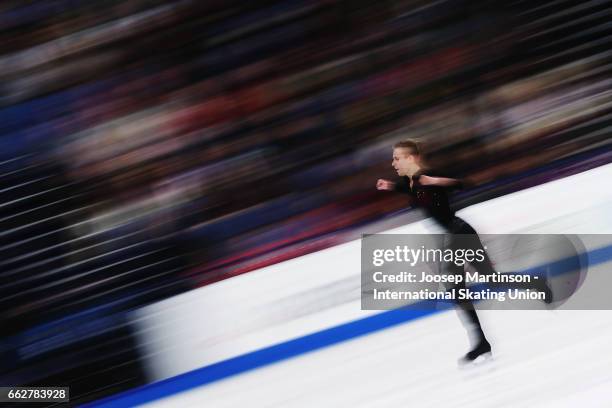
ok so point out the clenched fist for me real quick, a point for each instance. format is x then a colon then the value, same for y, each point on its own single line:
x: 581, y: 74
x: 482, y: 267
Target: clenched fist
x: 386, y: 185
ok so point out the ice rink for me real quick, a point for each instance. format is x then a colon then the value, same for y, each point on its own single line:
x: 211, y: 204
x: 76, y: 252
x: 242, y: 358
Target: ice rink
x: 542, y: 359
x: 223, y: 346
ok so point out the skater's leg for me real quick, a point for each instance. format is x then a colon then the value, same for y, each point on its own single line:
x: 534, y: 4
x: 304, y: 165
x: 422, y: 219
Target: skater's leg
x: 469, y: 317
x: 469, y: 239
x: 466, y: 311
x: 486, y: 268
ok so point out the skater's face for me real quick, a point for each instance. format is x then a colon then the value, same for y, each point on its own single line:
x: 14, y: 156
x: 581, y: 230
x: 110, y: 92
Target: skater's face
x: 403, y: 162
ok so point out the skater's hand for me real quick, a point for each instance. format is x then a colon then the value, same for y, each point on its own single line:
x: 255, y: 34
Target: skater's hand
x: 385, y: 185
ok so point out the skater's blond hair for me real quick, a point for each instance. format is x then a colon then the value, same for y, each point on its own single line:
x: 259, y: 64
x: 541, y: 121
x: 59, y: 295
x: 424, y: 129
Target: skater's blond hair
x: 410, y: 145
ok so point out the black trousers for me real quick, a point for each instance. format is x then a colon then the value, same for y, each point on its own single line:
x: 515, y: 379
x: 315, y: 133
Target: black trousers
x: 461, y: 236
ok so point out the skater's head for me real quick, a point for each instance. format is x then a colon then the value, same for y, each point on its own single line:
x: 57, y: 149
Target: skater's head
x: 406, y: 157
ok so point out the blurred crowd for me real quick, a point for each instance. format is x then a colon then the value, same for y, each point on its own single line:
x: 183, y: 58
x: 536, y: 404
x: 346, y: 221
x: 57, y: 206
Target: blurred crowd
x: 149, y: 147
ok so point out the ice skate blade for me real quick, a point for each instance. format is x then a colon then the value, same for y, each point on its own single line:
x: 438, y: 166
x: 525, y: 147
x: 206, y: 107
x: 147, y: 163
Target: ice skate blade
x: 481, y: 360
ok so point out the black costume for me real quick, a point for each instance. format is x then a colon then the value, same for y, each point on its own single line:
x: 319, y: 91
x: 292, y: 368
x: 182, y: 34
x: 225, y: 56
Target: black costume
x: 460, y: 235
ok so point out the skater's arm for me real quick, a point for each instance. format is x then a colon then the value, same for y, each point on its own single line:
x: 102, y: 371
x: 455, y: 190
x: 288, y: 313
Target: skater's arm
x: 440, y: 181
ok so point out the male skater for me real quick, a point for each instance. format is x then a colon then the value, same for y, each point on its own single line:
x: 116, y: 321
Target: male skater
x: 429, y: 190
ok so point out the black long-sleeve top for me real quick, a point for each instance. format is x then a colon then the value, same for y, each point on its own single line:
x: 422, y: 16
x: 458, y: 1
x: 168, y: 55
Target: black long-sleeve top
x: 432, y: 199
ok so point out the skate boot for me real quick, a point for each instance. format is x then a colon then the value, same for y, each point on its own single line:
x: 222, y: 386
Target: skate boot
x: 483, y: 348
